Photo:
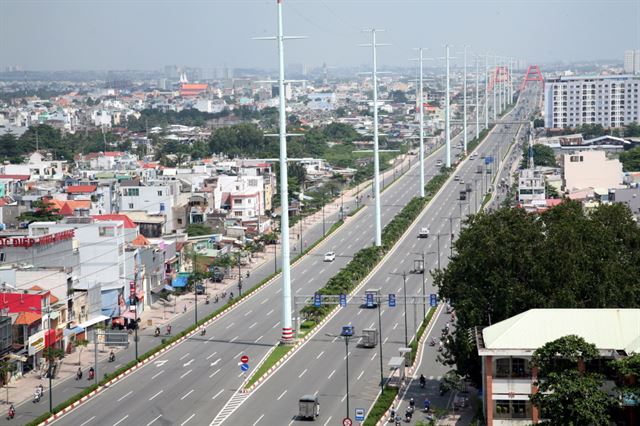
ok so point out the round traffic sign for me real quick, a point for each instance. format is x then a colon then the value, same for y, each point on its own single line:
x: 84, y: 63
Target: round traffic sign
x: 244, y: 359
x: 346, y: 421
x: 244, y: 367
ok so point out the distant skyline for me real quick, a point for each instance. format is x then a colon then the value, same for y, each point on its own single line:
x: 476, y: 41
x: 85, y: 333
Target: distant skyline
x: 147, y: 35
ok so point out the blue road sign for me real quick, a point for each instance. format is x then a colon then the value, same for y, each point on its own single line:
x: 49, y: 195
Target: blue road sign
x: 433, y: 300
x: 369, y: 300
x: 244, y: 367
x: 359, y: 414
x: 488, y: 160
x: 392, y: 300
x: 343, y: 300
x: 317, y: 300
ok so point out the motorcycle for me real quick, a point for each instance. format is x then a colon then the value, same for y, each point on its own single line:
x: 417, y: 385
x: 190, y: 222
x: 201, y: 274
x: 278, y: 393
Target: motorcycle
x: 203, y: 331
x: 36, y: 396
x: 91, y: 374
x: 157, y: 332
x: 112, y: 356
x: 432, y: 342
x: 11, y: 413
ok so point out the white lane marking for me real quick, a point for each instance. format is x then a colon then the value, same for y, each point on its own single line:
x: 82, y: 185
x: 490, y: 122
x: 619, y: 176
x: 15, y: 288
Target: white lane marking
x: 304, y: 272
x: 320, y: 354
x: 256, y: 341
x: 159, y: 392
x: 382, y: 312
x: 302, y: 374
x: 248, y: 313
x: 374, y: 355
x: 385, y: 340
x: 343, y: 398
x: 213, y: 374
x: 372, y: 324
x: 88, y: 421
x: 238, y: 354
x: 332, y: 373
x: 121, y: 420
x: 386, y: 280
x: 187, y: 394
x: 159, y: 415
x: 234, y: 339
x: 360, y: 375
x: 219, y: 392
x: 157, y: 374
x: 310, y: 280
x: 192, y: 416
x: 259, y: 418
x: 314, y: 262
x: 359, y: 312
x: 321, y: 271
x: 275, y: 325
x: 327, y: 422
x: 395, y: 270
x: 186, y: 364
x: 211, y: 338
x: 298, y: 290
x: 278, y: 291
x: 214, y: 363
x: 282, y: 394
x: 184, y: 356
x: 230, y: 325
x: 124, y: 396
x: 399, y: 288
x: 211, y: 356
x: 264, y: 301
x: 186, y: 373
x: 270, y: 312
x: 395, y: 326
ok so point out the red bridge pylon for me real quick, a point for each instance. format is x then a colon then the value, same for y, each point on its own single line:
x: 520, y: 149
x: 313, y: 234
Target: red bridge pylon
x: 533, y: 74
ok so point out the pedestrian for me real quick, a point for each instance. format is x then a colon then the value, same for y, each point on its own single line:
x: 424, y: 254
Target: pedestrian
x: 184, y: 309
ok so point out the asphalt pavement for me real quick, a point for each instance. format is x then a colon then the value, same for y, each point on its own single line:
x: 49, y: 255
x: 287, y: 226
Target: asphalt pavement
x: 319, y: 366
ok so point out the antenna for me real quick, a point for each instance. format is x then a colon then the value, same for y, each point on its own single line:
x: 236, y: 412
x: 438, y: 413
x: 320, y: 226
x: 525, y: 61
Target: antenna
x: 376, y: 159
x: 287, y: 329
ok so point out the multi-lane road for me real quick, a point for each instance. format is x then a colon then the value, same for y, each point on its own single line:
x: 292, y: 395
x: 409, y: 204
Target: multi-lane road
x: 192, y: 382
x: 319, y: 367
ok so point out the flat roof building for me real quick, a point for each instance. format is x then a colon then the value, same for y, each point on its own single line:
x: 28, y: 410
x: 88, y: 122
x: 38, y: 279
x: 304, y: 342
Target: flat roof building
x: 611, y: 101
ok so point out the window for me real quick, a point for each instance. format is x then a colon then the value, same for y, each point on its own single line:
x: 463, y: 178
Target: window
x: 237, y: 214
x: 237, y: 201
x: 513, y: 367
x: 2, y: 257
x: 106, y: 231
x: 512, y: 409
x: 132, y: 192
x: 179, y: 221
x: 130, y: 205
x: 160, y: 193
x: 576, y: 158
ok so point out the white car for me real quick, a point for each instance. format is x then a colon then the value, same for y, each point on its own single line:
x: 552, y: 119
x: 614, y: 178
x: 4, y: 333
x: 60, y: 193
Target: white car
x: 456, y: 178
x: 329, y: 256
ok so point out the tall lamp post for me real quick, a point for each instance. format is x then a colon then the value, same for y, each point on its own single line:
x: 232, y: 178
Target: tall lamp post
x: 424, y: 281
x: 404, y: 293
x: 346, y: 334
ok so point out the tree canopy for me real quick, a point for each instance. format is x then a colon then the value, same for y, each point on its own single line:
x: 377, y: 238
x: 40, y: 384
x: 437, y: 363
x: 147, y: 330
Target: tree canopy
x: 509, y: 261
x: 41, y: 211
x: 567, y: 396
x: 631, y: 160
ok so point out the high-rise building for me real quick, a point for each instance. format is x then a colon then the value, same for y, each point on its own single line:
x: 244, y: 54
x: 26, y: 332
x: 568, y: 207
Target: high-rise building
x: 611, y: 101
x: 632, y: 61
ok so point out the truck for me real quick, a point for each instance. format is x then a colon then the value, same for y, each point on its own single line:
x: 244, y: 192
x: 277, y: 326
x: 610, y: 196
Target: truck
x: 308, y: 407
x: 468, y: 187
x: 463, y: 195
x: 479, y: 169
x: 369, y: 338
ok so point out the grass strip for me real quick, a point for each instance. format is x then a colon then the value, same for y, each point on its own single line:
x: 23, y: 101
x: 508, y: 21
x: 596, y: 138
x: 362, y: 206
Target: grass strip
x: 277, y: 354
x: 383, y: 403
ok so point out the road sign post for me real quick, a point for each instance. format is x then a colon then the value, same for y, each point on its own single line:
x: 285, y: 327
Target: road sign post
x: 433, y: 300
x: 347, y: 422
x: 369, y: 300
x: 359, y: 414
x: 317, y: 300
x: 392, y: 300
x: 244, y: 359
x: 343, y: 300
x: 244, y: 367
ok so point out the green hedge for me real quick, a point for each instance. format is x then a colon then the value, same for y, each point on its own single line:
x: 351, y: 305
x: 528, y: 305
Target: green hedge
x: 475, y: 141
x: 414, y: 342
x: 366, y: 259
x: 383, y: 403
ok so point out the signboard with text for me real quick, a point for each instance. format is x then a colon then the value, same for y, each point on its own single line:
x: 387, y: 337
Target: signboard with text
x: 27, y: 242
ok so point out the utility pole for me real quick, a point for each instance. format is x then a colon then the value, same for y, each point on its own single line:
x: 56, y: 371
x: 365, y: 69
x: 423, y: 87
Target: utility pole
x: 286, y: 323
x: 486, y: 91
x: 447, y: 114
x: 376, y: 157
x: 95, y: 357
x: 239, y: 274
x: 195, y: 284
x: 421, y: 112
x: 464, y: 102
x: 477, y: 100
x: 404, y: 286
x: 493, y: 87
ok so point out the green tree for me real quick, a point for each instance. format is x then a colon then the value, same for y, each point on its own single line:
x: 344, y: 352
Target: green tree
x: 538, y: 123
x: 41, y: 211
x: 398, y: 96
x: 542, y: 156
x: 7, y: 368
x: 628, y: 370
x: 566, y: 396
x: 196, y: 229
x: 566, y: 258
x: 631, y: 160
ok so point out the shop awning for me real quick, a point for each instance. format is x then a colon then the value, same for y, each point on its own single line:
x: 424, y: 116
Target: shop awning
x: 179, y: 281
x: 129, y: 315
x: 73, y: 331
x: 27, y: 318
x: 92, y: 321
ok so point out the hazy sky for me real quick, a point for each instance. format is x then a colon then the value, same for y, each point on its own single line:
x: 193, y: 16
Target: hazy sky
x: 148, y: 34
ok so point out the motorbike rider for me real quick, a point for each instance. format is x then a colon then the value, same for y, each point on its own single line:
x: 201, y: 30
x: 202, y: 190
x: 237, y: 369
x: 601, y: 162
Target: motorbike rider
x: 112, y: 356
x: 12, y: 412
x: 422, y: 380
x: 79, y: 374
x: 157, y: 332
x: 203, y: 331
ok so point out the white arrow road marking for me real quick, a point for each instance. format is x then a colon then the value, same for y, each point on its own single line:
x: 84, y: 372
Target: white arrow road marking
x: 186, y: 364
x: 215, y: 362
x: 161, y: 362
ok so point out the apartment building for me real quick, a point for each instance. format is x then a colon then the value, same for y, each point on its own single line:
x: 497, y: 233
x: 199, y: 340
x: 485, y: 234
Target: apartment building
x: 632, y: 61
x: 611, y: 101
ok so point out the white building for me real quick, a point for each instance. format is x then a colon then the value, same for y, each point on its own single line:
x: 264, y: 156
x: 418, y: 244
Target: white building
x: 243, y: 196
x: 154, y: 198
x: 531, y: 192
x: 632, y: 61
x: 611, y: 101
x: 591, y: 169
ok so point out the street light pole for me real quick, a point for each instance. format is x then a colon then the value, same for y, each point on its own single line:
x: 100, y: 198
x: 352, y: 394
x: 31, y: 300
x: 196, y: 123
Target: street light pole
x: 239, y: 275
x: 439, y: 250
x: 404, y: 286
x: 346, y: 345
x: 323, y: 226
x: 380, y: 343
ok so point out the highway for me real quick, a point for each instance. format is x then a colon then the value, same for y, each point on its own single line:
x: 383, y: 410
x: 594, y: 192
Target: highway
x: 319, y: 366
x: 191, y: 383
